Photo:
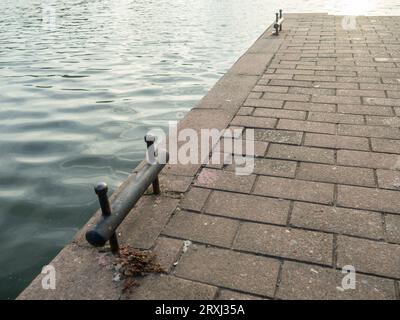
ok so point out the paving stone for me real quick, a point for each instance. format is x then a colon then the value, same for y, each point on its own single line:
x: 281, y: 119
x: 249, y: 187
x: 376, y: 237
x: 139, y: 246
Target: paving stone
x: 335, y: 117
x: 174, y: 183
x: 254, y: 122
x: 202, y: 228
x: 267, y: 88
x: 360, y: 223
x: 218, y: 179
x: 230, y: 269
x: 144, y: 223
x: 290, y: 83
x: 308, y: 106
x: 335, y: 141
x: 286, y: 97
x: 248, y: 207
x: 167, y: 252
x: 314, y: 78
x: 382, y: 101
x: 388, y: 179
x: 369, y: 256
x: 165, y: 287
x: 336, y: 99
x: 392, y: 223
x: 300, y: 153
x: 369, y: 198
x: 294, y: 189
x: 283, y: 242
x: 385, y: 145
x: 307, y: 126
x: 312, y: 91
x: 363, y: 109
x: 279, y: 136
x: 194, y: 199
x: 245, y: 111
x: 279, y: 113
x: 262, y: 103
x: 302, y: 281
x: 359, y: 79
x: 361, y: 93
x: 336, y: 174
x: 335, y: 85
x: 368, y: 159
x: 368, y: 131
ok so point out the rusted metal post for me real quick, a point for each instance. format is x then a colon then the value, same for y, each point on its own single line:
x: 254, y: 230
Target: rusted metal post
x: 101, y: 190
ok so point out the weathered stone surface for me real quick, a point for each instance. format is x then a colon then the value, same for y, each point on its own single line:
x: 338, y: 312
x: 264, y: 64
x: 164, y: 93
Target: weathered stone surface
x: 248, y: 207
x: 369, y: 256
x: 230, y: 269
x: 302, y: 281
x: 284, y: 242
x: 294, y: 189
x: 194, y: 199
x: 360, y: 223
x: 165, y: 287
x: 392, y: 223
x: 167, y: 252
x: 232, y: 295
x: 81, y: 274
x: 202, y: 228
x: 224, y: 180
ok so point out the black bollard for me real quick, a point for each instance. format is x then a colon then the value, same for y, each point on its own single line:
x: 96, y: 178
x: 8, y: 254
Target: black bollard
x: 149, y: 139
x: 101, y: 190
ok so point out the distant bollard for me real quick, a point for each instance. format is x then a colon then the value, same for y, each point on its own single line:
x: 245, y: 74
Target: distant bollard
x: 151, y: 158
x: 278, y: 22
x: 101, y: 190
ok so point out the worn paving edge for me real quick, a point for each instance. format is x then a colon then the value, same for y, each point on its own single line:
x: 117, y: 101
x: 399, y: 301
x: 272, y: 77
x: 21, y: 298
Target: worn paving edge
x: 323, y: 194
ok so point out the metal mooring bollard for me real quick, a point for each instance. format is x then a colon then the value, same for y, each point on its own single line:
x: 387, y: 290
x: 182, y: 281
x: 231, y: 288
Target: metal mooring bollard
x: 101, y: 190
x: 149, y: 139
x: 278, y: 22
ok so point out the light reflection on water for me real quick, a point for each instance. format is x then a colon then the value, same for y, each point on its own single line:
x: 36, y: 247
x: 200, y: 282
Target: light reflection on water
x: 81, y: 82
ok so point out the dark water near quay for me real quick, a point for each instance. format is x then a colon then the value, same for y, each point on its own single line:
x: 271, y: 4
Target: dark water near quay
x: 82, y: 81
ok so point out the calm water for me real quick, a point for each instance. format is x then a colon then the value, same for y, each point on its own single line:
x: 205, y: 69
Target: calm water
x: 81, y: 82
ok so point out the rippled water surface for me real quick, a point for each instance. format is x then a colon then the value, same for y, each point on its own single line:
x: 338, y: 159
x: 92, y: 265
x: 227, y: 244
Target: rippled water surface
x: 81, y: 81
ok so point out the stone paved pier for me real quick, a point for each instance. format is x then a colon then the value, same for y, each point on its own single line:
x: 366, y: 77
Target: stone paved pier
x: 325, y: 192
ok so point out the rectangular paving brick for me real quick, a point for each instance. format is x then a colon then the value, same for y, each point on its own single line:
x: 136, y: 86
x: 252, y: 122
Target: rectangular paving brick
x: 307, y: 126
x: 388, y: 179
x: 230, y: 269
x: 194, y: 199
x: 294, y: 189
x: 253, y: 122
x: 167, y: 252
x: 248, y: 207
x: 361, y: 93
x: 335, y: 85
x: 369, y: 256
x: 360, y: 223
x: 308, y: 106
x: 312, y: 91
x: 368, y: 131
x: 336, y: 174
x: 383, y: 121
x: 165, y: 287
x: 363, y: 109
x: 290, y: 83
x: 261, y: 103
x: 385, y: 145
x: 245, y: 111
x: 336, y: 99
x: 359, y: 79
x: 335, y: 117
x: 224, y: 180
x: 368, y: 159
x: 303, y: 281
x: 300, y: 153
x: 369, y: 198
x: 202, y: 228
x: 286, y: 97
x: 277, y: 168
x: 335, y: 141
x: 274, y: 89
x: 382, y: 101
x: 392, y: 223
x: 314, y: 78
x: 279, y: 113
x: 283, y: 242
x: 278, y: 136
